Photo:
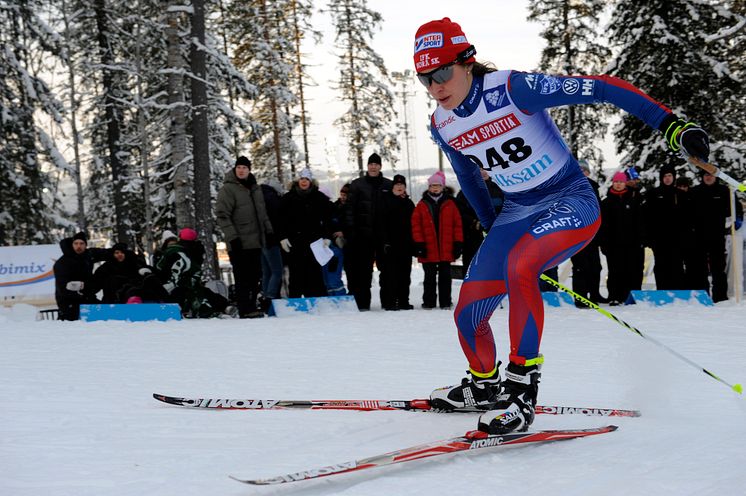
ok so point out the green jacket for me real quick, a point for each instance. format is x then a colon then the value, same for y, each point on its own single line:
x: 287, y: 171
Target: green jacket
x: 241, y: 212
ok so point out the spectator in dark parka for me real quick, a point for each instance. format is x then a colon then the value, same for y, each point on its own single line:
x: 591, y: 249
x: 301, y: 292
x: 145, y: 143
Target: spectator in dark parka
x: 362, y: 230
x: 620, y: 238
x: 306, y: 216
x: 711, y: 205
x: 118, y: 274
x: 73, y: 275
x: 398, y: 247
x: 667, y: 223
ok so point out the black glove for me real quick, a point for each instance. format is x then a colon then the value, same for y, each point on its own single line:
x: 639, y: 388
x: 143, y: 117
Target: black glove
x: 270, y: 239
x: 686, y: 137
x: 458, y: 249
x: 236, y: 245
x: 420, y: 250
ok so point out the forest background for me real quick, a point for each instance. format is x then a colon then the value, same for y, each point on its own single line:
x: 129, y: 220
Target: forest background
x: 122, y: 117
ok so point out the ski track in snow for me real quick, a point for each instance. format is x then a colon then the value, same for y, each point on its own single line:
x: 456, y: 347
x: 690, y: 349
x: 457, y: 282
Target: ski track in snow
x: 78, y: 417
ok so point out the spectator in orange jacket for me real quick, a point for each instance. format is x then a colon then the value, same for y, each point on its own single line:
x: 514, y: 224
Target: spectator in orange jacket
x: 438, y: 239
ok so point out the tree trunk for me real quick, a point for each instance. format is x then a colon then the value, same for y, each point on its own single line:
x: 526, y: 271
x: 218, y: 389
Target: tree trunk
x: 567, y: 41
x: 176, y: 105
x: 358, y: 137
x: 299, y: 73
x: 113, y: 118
x: 82, y: 221
x: 201, y: 140
x: 272, y: 100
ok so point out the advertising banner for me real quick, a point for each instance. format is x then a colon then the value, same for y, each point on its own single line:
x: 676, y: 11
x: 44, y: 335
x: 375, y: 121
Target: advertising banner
x: 26, y: 272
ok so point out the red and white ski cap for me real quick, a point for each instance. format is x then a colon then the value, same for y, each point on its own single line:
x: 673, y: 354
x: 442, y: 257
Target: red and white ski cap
x: 437, y: 43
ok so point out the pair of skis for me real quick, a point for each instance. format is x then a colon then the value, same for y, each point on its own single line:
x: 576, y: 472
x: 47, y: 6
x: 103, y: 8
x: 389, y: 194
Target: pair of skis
x: 469, y: 442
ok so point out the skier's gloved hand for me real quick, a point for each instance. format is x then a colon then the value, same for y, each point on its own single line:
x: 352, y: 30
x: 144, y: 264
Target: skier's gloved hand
x: 236, y: 245
x: 285, y: 244
x: 420, y: 250
x: 144, y: 271
x: 686, y: 137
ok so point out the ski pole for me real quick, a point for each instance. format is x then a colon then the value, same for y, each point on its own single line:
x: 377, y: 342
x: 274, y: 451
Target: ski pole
x: 735, y: 387
x: 715, y: 171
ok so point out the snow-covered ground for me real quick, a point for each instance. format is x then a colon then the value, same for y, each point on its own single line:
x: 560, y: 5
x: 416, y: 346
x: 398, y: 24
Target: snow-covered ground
x: 78, y: 418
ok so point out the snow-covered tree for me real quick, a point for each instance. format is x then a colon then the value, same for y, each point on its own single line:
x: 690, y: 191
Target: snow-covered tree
x: 667, y: 50
x: 29, y: 158
x: 363, y: 82
x: 573, y: 46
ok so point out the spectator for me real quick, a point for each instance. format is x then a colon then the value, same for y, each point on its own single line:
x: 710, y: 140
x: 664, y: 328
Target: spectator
x: 620, y: 237
x: 362, y: 230
x: 586, y: 264
x: 666, y: 224
x: 711, y: 203
x: 118, y: 274
x: 73, y: 275
x: 180, y: 271
x: 332, y: 271
x: 687, y: 236
x: 473, y: 229
x: 168, y: 238
x: 634, y: 187
x: 306, y: 215
x: 438, y: 240
x: 242, y: 216
x: 398, y: 247
x: 272, y: 266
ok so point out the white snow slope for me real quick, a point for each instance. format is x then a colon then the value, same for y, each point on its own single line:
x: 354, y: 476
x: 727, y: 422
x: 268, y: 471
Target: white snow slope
x: 77, y: 416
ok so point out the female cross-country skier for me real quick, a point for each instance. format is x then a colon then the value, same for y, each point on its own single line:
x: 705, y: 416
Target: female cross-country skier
x: 497, y: 120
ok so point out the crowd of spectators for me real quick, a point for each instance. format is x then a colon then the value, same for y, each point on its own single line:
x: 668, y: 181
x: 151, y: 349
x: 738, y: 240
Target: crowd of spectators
x: 270, y: 236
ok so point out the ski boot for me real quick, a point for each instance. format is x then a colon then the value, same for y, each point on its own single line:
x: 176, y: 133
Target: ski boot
x: 475, y: 392
x: 516, y: 401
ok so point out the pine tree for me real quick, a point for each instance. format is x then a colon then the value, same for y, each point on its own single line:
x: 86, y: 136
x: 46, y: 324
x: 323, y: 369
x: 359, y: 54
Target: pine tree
x: 262, y: 46
x: 663, y: 50
x: 573, y: 47
x: 29, y: 206
x: 363, y: 82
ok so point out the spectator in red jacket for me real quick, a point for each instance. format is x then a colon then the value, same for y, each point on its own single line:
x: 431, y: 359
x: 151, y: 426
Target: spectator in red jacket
x: 438, y: 239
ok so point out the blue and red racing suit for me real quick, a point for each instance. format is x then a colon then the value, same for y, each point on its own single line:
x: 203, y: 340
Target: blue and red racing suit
x: 550, y: 211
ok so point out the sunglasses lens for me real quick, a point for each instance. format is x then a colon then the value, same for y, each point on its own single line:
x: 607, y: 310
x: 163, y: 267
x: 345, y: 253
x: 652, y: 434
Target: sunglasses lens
x: 424, y: 79
x: 440, y: 75
x: 443, y: 75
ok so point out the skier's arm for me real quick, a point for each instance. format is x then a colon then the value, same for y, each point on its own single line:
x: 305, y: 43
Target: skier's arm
x: 470, y: 180
x: 532, y: 92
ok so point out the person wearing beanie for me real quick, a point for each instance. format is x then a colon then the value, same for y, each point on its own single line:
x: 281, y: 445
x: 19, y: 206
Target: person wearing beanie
x: 620, y: 238
x: 398, y: 247
x: 711, y: 206
x: 73, y: 275
x: 242, y: 217
x: 497, y: 120
x: 118, y: 274
x: 438, y: 240
x: 667, y: 224
x: 179, y: 272
x: 363, y: 230
x: 306, y: 215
